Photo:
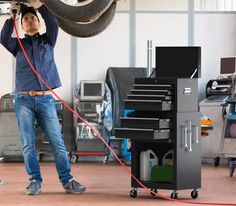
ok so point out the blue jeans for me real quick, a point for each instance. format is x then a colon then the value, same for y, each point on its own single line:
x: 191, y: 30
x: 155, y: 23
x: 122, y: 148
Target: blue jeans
x: 43, y: 108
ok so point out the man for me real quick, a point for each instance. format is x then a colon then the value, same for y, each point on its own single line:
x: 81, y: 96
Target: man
x: 32, y: 100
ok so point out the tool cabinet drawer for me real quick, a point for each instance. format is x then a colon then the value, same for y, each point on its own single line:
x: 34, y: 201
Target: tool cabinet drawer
x: 153, y: 86
x: 162, y: 134
x: 142, y: 134
x: 145, y: 123
x: 150, y: 97
x: 148, y: 105
x: 152, y: 92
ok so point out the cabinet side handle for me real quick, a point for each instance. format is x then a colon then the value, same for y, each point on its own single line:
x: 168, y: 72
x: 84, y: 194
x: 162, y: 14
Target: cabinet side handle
x: 190, y: 136
x: 197, y: 137
x: 185, y: 137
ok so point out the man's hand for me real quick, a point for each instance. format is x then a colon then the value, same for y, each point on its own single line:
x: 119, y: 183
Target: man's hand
x: 14, y: 10
x: 33, y: 3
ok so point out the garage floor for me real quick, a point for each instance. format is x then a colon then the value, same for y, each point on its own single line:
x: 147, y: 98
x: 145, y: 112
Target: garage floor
x: 106, y: 185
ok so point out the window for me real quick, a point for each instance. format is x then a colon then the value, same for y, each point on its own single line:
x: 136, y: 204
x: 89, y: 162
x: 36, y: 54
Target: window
x: 215, y: 5
x: 161, y: 5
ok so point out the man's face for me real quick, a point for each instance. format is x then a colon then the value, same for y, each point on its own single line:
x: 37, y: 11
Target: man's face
x: 30, y: 24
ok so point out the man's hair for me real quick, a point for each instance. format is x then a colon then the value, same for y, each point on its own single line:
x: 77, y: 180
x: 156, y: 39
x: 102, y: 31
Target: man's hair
x: 25, y: 10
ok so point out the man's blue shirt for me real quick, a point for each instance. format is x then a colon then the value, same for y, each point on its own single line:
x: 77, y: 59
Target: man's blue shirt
x: 40, y: 49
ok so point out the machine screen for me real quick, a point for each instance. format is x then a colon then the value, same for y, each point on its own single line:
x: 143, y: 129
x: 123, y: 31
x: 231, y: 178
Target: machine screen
x: 92, y: 89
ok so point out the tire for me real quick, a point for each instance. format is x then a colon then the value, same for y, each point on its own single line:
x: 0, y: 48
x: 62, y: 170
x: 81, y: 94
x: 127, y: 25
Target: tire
x: 82, y: 13
x: 89, y: 29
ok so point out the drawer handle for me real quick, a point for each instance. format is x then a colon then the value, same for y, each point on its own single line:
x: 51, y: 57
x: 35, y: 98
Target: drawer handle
x: 187, y: 91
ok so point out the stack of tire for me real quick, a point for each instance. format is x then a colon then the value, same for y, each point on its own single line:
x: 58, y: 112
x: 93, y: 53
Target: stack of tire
x: 82, y: 18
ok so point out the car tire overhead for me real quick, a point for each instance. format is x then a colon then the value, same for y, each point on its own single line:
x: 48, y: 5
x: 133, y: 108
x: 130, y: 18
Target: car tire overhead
x: 83, y: 11
x: 88, y: 29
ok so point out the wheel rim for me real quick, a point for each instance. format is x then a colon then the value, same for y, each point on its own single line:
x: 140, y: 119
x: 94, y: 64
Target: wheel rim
x: 76, y: 2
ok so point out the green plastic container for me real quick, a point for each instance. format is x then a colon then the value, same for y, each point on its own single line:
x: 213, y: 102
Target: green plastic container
x: 162, y: 174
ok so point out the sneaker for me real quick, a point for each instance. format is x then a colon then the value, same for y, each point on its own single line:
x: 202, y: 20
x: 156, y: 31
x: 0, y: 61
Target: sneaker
x: 74, y: 187
x: 34, y: 188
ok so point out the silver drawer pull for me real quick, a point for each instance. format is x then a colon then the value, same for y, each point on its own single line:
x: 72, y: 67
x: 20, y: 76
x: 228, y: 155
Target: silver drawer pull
x: 187, y: 91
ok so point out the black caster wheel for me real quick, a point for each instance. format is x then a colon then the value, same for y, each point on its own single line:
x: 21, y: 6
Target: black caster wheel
x: 231, y: 168
x: 194, y: 194
x: 74, y: 159
x: 174, y: 195
x: 217, y: 161
x: 153, y: 190
x: 231, y: 172
x: 133, y: 193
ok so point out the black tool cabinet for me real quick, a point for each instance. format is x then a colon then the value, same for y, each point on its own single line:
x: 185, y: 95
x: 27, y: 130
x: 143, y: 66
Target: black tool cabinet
x: 164, y: 116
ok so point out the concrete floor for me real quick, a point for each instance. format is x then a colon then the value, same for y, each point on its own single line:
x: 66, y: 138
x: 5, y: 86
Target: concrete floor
x: 106, y: 185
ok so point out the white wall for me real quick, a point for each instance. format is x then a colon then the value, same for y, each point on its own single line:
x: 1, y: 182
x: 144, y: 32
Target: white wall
x: 6, y: 68
x: 63, y: 61
x: 216, y: 34
x: 163, y: 30
x: 158, y: 5
x: 108, y: 49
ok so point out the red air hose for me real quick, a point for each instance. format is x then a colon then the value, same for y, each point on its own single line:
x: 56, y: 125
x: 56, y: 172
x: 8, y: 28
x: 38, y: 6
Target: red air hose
x: 99, y: 136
